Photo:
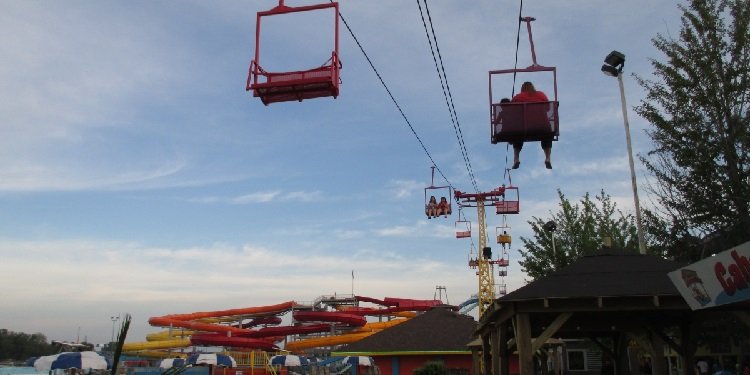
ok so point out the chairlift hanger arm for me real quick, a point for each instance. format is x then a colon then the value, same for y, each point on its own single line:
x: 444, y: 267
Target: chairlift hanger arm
x: 469, y: 199
x: 281, y: 8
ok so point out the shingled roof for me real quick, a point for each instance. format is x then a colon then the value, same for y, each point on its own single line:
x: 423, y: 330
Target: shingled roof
x: 607, y: 273
x: 439, y: 330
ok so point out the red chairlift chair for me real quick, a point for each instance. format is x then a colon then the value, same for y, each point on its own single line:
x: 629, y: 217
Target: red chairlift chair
x: 438, y: 192
x: 502, y: 289
x: 510, y: 204
x: 473, y: 258
x: 504, y: 260
x: 274, y: 87
x: 514, y: 122
x: 463, y: 227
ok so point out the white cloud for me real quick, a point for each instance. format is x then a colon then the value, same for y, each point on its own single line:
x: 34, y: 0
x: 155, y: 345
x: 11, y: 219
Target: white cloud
x: 263, y: 197
x: 257, y: 197
x: 107, y: 277
x: 404, y: 189
x: 17, y: 175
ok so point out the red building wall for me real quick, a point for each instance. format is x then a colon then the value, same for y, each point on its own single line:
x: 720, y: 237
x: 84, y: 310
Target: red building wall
x: 406, y: 364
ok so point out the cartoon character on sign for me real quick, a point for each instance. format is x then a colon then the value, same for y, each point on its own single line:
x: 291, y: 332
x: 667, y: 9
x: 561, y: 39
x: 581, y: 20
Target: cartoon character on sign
x: 695, y: 284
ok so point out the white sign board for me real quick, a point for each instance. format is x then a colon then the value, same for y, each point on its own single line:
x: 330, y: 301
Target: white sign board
x: 718, y: 280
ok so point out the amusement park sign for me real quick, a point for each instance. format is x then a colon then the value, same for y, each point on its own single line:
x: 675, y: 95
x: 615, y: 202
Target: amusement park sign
x: 717, y: 280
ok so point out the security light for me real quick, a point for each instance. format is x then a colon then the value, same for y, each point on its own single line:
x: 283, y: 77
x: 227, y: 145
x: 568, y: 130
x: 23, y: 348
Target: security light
x: 613, y: 64
x: 610, y: 70
x: 550, y: 226
x: 615, y: 59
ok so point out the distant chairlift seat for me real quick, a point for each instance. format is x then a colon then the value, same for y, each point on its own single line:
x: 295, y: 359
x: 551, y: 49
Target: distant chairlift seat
x: 274, y: 87
x: 510, y: 204
x: 463, y: 228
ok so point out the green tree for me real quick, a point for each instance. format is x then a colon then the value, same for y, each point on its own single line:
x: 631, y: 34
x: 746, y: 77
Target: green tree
x: 581, y: 228
x: 19, y: 346
x: 698, y: 107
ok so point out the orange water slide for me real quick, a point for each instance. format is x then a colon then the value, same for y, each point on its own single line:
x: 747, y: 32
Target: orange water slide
x: 325, y: 341
x: 347, y: 338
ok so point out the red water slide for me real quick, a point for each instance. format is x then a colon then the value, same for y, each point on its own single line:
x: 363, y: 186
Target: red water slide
x: 220, y: 339
x: 235, y: 335
x: 396, y: 305
x: 187, y: 320
x: 353, y: 320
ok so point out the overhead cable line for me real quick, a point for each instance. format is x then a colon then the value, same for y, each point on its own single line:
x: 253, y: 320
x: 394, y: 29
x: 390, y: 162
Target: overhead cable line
x: 440, y: 68
x: 393, y: 99
x: 518, y: 41
x: 515, y: 66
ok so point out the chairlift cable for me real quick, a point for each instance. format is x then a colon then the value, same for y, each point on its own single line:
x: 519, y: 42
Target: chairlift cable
x: 515, y: 66
x: 393, y: 99
x: 440, y: 68
x: 518, y: 42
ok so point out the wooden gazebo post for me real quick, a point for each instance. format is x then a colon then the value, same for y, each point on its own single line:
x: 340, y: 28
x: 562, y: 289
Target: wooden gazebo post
x: 523, y: 344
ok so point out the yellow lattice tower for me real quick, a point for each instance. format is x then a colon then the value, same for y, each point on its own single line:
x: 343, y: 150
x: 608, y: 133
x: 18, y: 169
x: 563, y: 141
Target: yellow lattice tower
x: 485, y: 269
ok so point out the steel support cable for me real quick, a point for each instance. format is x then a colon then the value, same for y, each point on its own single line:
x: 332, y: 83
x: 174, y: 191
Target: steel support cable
x: 393, y: 99
x: 440, y: 68
x: 515, y: 66
x: 518, y: 42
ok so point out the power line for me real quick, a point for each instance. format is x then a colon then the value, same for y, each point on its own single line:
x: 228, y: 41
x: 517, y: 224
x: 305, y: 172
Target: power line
x: 440, y: 68
x: 515, y: 66
x: 518, y: 41
x: 393, y: 99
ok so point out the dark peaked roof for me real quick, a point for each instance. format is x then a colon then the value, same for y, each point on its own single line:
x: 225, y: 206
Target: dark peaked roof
x: 609, y: 272
x: 436, y: 330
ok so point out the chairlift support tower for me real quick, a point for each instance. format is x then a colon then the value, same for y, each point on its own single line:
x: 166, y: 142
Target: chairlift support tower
x: 486, y: 294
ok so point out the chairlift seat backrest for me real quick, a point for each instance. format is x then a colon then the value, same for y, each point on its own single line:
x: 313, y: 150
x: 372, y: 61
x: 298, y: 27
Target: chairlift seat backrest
x: 510, y: 203
x: 503, y: 239
x: 507, y: 207
x: 524, y: 122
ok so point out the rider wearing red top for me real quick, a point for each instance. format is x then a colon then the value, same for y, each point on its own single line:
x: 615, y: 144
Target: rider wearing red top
x: 529, y: 94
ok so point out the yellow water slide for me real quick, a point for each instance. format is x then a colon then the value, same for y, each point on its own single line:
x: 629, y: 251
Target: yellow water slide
x: 154, y: 345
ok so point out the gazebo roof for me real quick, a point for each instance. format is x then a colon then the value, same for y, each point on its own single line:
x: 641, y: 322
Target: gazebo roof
x: 438, y: 330
x: 607, y: 273
x: 600, y: 288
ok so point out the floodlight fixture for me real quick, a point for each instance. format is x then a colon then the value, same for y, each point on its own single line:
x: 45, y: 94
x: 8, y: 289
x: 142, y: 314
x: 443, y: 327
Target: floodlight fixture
x: 610, y: 70
x: 615, y: 58
x: 550, y: 226
x: 613, y: 64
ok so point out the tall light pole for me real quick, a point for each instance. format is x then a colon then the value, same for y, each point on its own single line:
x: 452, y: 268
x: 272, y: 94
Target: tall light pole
x: 114, y: 319
x: 551, y: 227
x: 613, y: 65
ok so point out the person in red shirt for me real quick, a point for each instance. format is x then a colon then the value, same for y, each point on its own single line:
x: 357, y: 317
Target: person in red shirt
x: 529, y: 94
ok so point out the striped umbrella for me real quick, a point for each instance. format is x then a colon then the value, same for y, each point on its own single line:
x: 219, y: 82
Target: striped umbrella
x: 172, y: 362
x: 288, y: 360
x: 212, y: 359
x: 80, y: 360
x: 360, y: 361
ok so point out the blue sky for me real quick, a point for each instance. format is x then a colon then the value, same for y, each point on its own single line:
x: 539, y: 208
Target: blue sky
x: 137, y: 175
